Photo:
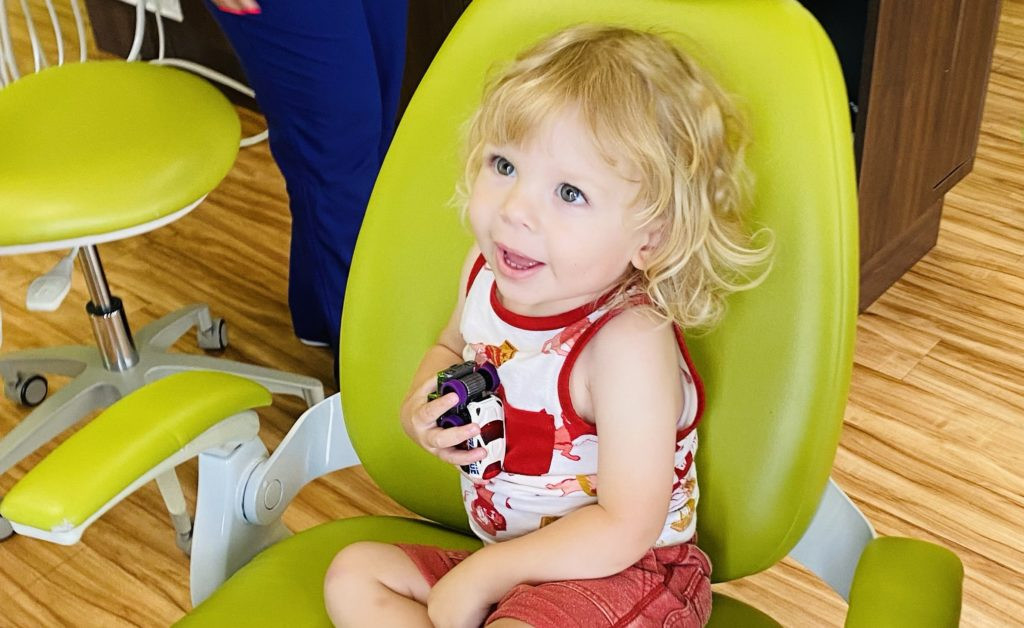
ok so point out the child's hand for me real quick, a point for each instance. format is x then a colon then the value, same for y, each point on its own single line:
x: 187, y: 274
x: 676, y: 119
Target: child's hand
x: 460, y: 599
x: 419, y: 419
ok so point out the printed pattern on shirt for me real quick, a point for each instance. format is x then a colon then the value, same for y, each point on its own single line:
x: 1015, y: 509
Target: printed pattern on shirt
x: 550, y: 466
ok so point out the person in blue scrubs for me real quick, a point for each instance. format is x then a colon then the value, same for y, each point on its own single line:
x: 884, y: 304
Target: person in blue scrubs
x: 327, y: 75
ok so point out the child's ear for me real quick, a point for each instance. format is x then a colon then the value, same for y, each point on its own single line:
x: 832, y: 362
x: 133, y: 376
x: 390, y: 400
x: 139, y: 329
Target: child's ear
x: 652, y: 238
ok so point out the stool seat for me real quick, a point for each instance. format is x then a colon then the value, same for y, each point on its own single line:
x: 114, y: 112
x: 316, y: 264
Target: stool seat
x: 106, y: 146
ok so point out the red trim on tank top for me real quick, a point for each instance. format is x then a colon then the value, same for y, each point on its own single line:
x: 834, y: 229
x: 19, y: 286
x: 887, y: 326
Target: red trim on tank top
x: 532, y: 323
x: 542, y: 323
x: 577, y: 425
x: 573, y: 422
x: 477, y: 265
x: 698, y: 383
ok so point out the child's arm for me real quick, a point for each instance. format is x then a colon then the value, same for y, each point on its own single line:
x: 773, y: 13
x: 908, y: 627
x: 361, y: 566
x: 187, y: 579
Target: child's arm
x: 630, y: 384
x: 417, y: 414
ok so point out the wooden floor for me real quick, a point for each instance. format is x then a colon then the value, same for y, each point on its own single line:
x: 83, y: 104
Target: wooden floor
x: 933, y: 445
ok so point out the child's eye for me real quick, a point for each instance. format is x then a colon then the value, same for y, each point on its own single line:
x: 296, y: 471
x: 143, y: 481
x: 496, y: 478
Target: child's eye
x: 571, y: 193
x: 503, y: 166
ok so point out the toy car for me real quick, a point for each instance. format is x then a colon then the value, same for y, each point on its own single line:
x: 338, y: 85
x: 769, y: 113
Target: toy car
x: 475, y: 386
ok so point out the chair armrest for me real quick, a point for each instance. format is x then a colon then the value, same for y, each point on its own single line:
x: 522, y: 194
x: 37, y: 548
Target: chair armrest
x: 142, y: 435
x: 906, y: 582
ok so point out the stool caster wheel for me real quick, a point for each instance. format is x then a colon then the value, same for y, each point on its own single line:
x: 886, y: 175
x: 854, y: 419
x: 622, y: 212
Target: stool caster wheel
x: 184, y: 542
x: 27, y: 390
x: 215, y: 338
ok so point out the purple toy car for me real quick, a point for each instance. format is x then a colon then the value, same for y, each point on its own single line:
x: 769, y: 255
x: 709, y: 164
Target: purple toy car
x: 476, y: 385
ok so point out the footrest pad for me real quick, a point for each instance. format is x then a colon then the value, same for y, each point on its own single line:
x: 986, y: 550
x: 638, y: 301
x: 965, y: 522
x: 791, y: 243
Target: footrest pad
x: 124, y: 442
x: 906, y: 582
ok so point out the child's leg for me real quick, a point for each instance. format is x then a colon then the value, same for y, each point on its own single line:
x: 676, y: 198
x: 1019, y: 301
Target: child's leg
x: 375, y: 584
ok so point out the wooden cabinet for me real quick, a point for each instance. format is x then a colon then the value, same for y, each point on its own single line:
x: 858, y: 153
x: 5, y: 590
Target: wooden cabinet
x: 916, y: 72
x: 925, y: 72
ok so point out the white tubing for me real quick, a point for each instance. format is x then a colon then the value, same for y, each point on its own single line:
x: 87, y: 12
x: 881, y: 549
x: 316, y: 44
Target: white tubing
x: 4, y: 76
x: 224, y: 80
x: 206, y: 72
x: 58, y: 35
x: 80, y: 27
x: 5, y: 30
x: 159, y: 28
x: 253, y: 139
x: 140, y: 30
x: 38, y: 57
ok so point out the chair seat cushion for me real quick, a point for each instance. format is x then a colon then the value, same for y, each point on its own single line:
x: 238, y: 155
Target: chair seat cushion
x: 97, y: 147
x: 283, y: 585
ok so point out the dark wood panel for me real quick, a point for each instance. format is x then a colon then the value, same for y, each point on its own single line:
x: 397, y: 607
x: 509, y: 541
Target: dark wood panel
x: 913, y: 49
x: 928, y: 67
x: 429, y: 23
x: 958, y: 120
x: 899, y: 254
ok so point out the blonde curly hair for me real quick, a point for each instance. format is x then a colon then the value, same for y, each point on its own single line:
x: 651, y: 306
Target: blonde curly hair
x: 652, y: 111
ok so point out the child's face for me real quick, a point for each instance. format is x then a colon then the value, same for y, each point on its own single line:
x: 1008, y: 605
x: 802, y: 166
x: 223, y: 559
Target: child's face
x: 554, y: 220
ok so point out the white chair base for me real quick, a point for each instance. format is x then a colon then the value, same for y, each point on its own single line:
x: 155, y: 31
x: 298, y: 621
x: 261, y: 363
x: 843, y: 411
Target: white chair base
x: 95, y: 386
x: 242, y: 493
x: 233, y: 525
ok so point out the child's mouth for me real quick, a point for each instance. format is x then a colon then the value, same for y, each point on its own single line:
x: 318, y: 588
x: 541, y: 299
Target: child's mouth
x: 516, y: 264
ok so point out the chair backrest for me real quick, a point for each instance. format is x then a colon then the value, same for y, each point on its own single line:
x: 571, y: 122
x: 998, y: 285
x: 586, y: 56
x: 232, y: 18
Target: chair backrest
x: 39, y: 35
x: 52, y: 34
x: 776, y: 370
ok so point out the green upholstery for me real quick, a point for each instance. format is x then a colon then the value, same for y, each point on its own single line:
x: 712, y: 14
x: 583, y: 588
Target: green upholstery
x: 130, y: 437
x: 777, y: 370
x: 91, y: 148
x: 905, y: 583
x: 292, y: 572
x: 727, y: 612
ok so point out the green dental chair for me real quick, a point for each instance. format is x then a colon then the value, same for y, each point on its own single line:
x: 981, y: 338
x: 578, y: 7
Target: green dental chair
x: 90, y: 153
x: 777, y: 370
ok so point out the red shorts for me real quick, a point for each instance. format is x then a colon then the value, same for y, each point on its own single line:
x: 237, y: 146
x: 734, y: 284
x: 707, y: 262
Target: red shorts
x: 669, y: 587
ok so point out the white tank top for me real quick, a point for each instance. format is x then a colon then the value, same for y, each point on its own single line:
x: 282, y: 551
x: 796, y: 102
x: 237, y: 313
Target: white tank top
x: 550, y: 464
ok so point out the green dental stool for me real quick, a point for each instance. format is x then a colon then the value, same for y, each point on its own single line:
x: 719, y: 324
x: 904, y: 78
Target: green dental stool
x: 95, y: 152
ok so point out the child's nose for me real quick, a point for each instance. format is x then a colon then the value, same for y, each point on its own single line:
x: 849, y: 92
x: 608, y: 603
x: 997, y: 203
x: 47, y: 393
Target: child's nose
x: 516, y: 208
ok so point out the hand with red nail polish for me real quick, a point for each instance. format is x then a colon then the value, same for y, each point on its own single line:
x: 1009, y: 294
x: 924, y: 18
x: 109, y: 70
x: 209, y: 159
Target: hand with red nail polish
x: 238, y: 7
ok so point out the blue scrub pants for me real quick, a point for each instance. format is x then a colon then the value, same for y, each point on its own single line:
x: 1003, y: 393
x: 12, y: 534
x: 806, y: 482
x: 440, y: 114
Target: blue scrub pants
x: 327, y: 75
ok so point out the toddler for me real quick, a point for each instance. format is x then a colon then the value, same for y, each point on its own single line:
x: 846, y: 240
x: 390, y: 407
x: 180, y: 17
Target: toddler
x: 603, y: 186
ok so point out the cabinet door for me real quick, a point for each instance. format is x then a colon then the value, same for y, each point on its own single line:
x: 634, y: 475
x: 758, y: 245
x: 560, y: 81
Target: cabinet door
x: 927, y: 64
